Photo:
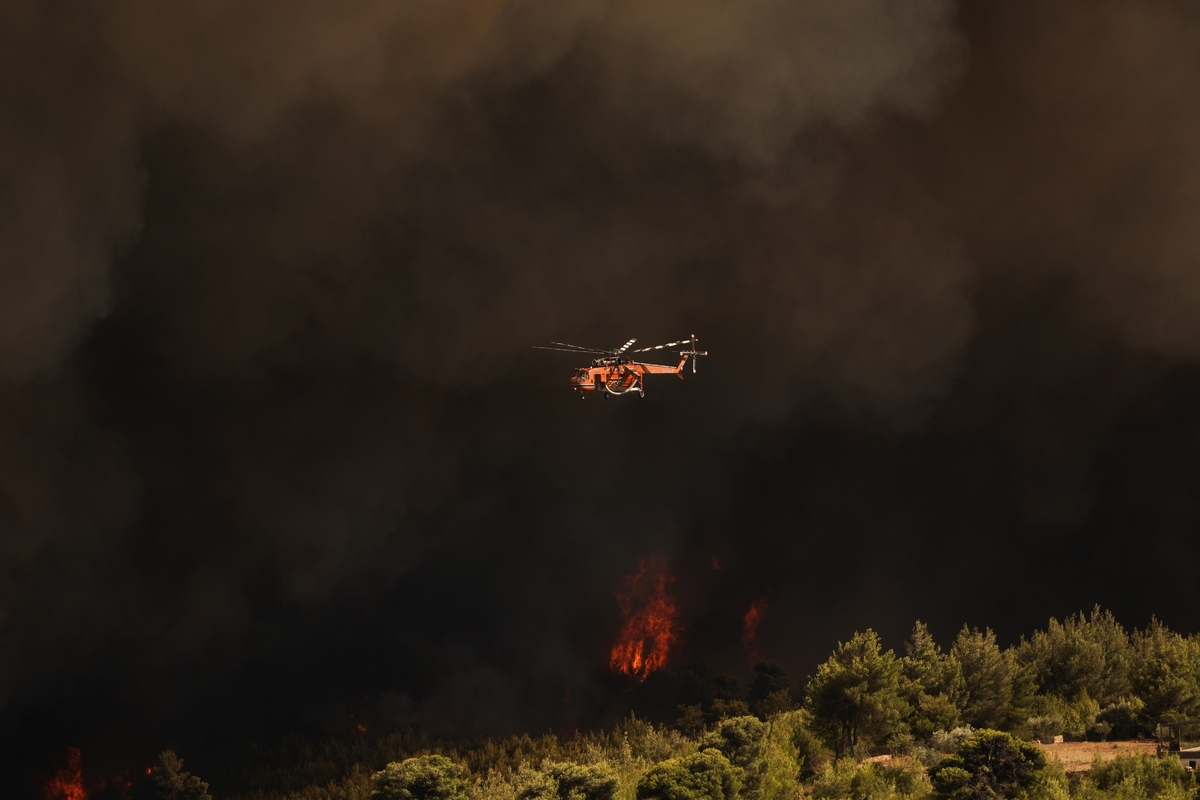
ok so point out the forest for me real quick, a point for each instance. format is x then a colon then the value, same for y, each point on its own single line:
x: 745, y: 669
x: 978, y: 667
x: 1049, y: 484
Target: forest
x: 956, y: 723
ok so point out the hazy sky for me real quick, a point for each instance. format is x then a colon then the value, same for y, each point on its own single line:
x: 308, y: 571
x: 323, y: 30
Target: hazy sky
x: 274, y: 445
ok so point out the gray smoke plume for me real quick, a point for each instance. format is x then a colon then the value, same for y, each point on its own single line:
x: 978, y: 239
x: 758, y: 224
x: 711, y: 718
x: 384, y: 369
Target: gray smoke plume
x: 272, y: 435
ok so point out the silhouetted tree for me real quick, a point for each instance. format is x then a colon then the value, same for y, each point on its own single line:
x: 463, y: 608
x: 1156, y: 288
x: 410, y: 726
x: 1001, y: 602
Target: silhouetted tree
x: 769, y: 677
x: 172, y: 783
x: 771, y: 691
x: 664, y: 696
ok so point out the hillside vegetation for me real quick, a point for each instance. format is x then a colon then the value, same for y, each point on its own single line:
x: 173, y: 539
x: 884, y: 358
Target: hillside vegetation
x: 959, y: 720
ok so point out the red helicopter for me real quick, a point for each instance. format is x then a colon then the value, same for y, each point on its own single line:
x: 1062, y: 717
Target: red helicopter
x: 615, y: 373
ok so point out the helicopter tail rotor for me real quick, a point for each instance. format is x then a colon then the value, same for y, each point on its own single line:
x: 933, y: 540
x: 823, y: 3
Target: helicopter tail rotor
x: 692, y: 353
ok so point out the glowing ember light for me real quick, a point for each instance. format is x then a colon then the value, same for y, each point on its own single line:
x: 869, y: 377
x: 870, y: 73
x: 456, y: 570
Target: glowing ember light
x: 120, y: 785
x: 752, y: 620
x: 650, y: 626
x: 716, y: 563
x: 67, y: 784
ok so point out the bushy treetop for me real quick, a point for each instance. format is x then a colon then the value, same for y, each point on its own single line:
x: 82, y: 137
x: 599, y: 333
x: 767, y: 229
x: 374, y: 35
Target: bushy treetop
x: 737, y: 739
x: 1080, y: 655
x: 570, y: 781
x: 432, y: 777
x: 172, y: 783
x: 706, y: 775
x: 988, y: 764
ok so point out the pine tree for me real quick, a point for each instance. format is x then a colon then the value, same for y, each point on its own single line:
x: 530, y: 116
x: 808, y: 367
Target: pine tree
x: 175, y: 784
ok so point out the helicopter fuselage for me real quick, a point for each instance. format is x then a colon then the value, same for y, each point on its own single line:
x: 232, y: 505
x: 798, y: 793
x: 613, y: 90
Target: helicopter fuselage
x: 620, y: 376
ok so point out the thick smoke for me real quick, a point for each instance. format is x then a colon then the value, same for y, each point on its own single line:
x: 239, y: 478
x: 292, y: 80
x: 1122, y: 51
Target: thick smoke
x: 274, y: 449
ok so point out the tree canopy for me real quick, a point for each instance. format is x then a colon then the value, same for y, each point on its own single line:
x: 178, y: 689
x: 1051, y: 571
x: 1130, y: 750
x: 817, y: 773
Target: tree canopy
x: 172, y: 783
x: 570, y: 781
x: 432, y: 777
x: 931, y: 682
x: 706, y: 775
x: 854, y: 697
x: 988, y: 764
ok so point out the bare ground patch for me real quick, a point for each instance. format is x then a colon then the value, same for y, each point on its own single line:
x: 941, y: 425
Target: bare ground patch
x: 1077, y: 756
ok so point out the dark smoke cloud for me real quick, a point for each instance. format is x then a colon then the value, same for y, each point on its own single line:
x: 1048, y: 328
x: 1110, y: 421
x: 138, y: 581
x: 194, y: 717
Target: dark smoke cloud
x: 274, y: 449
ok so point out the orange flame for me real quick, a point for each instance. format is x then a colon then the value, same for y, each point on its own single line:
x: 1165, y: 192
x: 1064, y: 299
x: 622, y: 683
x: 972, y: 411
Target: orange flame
x: 650, y: 626
x: 67, y: 783
x: 752, y: 620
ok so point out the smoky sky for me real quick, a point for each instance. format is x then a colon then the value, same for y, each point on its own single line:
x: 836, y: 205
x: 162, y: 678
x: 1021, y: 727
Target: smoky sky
x: 275, y: 448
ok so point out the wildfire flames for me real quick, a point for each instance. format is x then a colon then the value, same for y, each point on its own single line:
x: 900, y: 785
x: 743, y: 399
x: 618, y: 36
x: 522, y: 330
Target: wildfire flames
x: 67, y: 784
x: 752, y: 620
x: 650, y: 626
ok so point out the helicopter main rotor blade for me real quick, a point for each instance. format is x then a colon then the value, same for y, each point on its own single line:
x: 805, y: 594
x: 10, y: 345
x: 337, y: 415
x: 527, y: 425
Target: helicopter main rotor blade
x: 581, y: 347
x: 570, y: 350
x: 665, y: 346
x: 623, y: 347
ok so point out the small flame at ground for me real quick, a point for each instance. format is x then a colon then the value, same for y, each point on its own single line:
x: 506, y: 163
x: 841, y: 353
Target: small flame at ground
x: 752, y: 620
x: 650, y: 621
x: 67, y: 784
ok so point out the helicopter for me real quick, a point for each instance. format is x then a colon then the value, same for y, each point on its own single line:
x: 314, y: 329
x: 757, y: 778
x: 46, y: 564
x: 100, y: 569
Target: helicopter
x: 615, y: 373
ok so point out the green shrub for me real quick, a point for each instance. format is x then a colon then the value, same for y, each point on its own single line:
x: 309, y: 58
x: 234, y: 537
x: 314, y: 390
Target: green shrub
x: 567, y: 781
x: 950, y: 741
x: 706, y: 775
x: 421, y: 778
x: 1072, y: 718
x: 737, y: 738
x: 988, y: 763
x: 1045, y: 728
x: 1125, y: 717
x: 740, y: 739
x: 845, y: 779
x: 1140, y: 776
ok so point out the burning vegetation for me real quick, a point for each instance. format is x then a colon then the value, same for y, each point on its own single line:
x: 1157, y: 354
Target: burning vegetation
x: 650, y: 627
x: 751, y: 621
x: 67, y: 783
x: 167, y: 780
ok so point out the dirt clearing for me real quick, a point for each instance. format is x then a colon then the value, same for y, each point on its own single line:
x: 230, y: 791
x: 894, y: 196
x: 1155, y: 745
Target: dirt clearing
x: 1077, y: 756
